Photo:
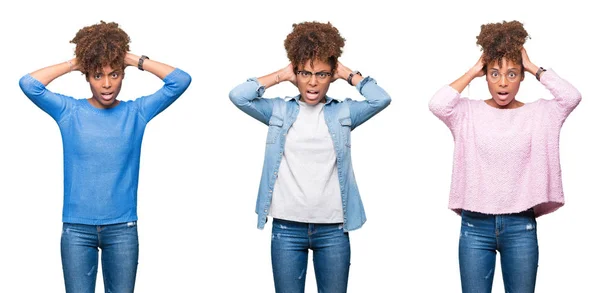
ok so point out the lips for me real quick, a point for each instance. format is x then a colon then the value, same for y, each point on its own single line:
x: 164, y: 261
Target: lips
x: 502, y: 95
x: 107, y: 96
x: 312, y: 95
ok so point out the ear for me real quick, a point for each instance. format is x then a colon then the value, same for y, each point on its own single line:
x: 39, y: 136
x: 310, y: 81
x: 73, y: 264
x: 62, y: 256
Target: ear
x: 87, y: 77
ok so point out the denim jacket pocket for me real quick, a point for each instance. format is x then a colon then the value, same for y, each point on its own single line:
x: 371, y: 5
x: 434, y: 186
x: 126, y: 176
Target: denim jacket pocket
x: 346, y: 126
x: 275, y: 125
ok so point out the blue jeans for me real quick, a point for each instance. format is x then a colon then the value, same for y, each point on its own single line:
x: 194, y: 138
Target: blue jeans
x: 514, y: 236
x: 290, y: 242
x: 79, y: 251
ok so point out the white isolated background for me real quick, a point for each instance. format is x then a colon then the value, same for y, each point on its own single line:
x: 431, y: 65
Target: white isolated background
x: 202, y: 157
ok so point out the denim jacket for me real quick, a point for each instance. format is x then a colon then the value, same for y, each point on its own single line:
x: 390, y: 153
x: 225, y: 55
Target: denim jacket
x: 340, y: 116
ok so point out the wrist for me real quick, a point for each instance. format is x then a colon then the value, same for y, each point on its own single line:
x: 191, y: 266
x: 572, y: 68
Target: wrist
x: 352, y: 76
x: 472, y: 74
x: 131, y: 60
x: 140, y: 62
x: 539, y: 72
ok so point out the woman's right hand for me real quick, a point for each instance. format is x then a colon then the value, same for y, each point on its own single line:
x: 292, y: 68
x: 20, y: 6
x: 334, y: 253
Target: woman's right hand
x: 288, y: 74
x: 74, y: 63
x: 285, y: 74
x: 477, y: 69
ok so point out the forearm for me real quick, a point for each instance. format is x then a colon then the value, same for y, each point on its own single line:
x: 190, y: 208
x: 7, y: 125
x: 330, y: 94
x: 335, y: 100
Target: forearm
x: 48, y: 74
x: 462, y: 82
x: 344, y: 73
x: 159, y: 69
x: 275, y: 78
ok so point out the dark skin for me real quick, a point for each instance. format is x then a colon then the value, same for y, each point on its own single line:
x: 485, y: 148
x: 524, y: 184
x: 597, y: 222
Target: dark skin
x: 477, y: 71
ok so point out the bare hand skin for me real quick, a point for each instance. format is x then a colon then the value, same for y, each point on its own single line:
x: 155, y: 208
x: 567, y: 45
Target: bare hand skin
x: 48, y: 74
x: 285, y: 74
x: 476, y: 71
x: 342, y: 72
x: 161, y: 70
x: 527, y: 64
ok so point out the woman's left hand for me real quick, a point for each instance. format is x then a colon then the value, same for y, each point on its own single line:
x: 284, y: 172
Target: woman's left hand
x: 527, y: 64
x: 341, y: 71
x: 131, y: 59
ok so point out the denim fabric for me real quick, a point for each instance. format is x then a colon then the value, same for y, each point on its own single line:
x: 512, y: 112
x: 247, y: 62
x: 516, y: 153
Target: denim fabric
x: 79, y: 251
x: 290, y: 242
x: 514, y: 236
x: 340, y: 117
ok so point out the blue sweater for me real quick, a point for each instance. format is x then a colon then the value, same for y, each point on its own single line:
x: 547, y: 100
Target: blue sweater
x: 101, y: 148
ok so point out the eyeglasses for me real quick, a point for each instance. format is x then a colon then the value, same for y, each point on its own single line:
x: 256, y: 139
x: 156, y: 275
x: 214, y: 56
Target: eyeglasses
x: 511, y: 76
x: 305, y: 75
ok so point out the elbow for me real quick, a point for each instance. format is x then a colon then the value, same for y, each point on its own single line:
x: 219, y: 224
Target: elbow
x: 25, y: 82
x: 30, y: 86
x: 236, y: 97
x: 186, y: 80
x: 386, y: 101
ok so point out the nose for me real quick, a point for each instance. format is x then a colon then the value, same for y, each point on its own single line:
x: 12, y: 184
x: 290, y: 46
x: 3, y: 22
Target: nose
x: 503, y: 81
x: 313, y: 80
x: 106, y: 83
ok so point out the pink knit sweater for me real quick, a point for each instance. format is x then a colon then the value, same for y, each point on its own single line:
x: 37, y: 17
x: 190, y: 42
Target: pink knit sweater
x: 506, y: 160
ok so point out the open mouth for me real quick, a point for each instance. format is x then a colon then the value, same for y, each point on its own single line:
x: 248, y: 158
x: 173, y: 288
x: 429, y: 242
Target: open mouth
x: 503, y: 95
x: 312, y: 95
x: 107, y: 96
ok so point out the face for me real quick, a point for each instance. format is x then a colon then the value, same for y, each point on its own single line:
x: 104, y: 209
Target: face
x: 504, y: 83
x: 105, y: 87
x: 313, y: 81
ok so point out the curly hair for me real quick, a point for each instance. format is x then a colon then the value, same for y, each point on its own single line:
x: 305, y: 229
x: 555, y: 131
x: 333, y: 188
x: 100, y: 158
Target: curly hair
x: 314, y: 41
x: 100, y: 45
x: 502, y: 40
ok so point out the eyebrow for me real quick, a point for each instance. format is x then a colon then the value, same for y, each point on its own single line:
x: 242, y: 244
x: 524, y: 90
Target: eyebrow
x: 322, y: 71
x: 114, y: 71
x: 511, y: 68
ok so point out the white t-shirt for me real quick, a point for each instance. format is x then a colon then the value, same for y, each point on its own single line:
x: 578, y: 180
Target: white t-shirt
x: 307, y: 188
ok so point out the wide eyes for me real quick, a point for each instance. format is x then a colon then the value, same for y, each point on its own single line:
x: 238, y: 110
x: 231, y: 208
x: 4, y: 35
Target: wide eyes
x: 494, y: 76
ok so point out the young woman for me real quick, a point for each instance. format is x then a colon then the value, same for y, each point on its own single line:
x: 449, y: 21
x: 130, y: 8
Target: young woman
x: 102, y: 139
x: 506, y: 168
x: 308, y: 183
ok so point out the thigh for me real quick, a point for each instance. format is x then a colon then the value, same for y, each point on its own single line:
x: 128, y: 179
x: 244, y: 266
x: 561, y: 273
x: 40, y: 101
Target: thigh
x: 79, y: 255
x: 331, y: 257
x: 519, y: 253
x: 289, y: 255
x: 120, y: 249
x: 477, y: 252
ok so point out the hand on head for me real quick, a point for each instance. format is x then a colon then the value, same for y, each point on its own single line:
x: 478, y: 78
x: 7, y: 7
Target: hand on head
x: 477, y: 69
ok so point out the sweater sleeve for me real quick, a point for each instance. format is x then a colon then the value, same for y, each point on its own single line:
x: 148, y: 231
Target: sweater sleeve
x: 445, y: 104
x: 52, y: 103
x: 175, y: 85
x: 566, y: 96
x: 376, y: 99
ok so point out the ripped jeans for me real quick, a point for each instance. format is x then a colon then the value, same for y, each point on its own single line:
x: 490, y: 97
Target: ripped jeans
x: 290, y: 242
x: 514, y: 236
x: 79, y: 252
